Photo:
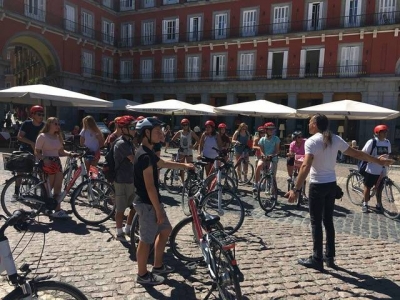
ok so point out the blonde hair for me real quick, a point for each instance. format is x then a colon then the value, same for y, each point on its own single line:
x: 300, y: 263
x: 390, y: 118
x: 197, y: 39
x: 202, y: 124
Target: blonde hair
x: 241, y: 125
x: 46, y: 128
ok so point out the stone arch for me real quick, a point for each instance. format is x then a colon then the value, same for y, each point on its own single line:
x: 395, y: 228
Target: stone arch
x: 39, y: 44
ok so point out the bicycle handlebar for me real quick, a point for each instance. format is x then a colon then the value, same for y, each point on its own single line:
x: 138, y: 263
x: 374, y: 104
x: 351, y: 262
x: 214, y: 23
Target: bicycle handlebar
x: 17, y: 218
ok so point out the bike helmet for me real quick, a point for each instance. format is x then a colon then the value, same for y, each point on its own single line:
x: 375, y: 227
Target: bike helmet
x: 185, y: 122
x: 380, y: 128
x: 52, y: 168
x: 296, y: 134
x: 222, y: 125
x: 261, y: 129
x: 269, y: 125
x: 210, y: 123
x: 147, y: 123
x: 36, y: 108
x: 140, y: 118
x: 124, y: 121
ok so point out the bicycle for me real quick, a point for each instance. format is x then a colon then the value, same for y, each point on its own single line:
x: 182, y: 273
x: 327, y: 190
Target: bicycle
x: 298, y: 161
x: 92, y: 201
x: 241, y: 162
x: 217, y: 250
x: 267, y: 193
x: 390, y: 192
x: 38, y: 287
x: 172, y: 178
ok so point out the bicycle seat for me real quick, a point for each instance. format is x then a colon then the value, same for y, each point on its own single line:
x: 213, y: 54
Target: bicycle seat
x: 200, y: 163
x: 209, y: 220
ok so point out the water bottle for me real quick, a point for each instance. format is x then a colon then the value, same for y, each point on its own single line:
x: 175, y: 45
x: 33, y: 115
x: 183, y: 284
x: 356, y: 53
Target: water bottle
x: 6, y: 258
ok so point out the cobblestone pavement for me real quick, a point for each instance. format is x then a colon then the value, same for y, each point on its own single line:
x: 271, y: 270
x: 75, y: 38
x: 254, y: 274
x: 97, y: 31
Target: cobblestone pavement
x: 90, y: 258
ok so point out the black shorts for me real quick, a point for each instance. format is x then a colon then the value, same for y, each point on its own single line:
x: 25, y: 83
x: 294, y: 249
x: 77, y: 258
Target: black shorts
x: 290, y: 161
x: 370, y: 179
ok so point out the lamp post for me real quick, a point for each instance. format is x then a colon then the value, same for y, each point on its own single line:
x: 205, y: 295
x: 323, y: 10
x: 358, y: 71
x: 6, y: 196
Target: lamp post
x: 281, y: 129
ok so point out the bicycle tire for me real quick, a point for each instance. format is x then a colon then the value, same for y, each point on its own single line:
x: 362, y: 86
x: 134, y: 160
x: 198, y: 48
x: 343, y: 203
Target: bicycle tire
x: 173, y: 182
x: 355, y: 188
x: 233, y: 210
x: 231, y: 172
x: 226, y: 275
x: 134, y: 236
x: 227, y: 182
x: 103, y: 201
x: 250, y: 173
x: 9, y: 205
x: 40, y: 287
x: 183, y: 243
x: 391, y: 203
x: 267, y: 194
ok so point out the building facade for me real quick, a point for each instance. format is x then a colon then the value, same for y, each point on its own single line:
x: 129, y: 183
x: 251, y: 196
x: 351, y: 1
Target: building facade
x: 297, y: 53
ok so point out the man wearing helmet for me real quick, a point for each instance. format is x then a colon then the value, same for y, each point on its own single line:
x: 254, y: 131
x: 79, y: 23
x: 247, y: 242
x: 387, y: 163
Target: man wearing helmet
x: 123, y: 184
x: 153, y: 221
x: 30, y: 129
x: 381, y: 147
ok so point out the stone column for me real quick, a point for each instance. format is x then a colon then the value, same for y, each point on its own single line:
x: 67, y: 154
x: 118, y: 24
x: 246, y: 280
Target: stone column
x: 291, y: 123
x: 327, y: 97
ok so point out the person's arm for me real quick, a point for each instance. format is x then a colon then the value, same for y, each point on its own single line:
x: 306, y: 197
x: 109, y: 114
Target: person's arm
x: 255, y: 143
x: 260, y: 144
x: 234, y: 138
x: 38, y: 146
x: 173, y: 165
x: 21, y: 137
x: 176, y: 135
x: 361, y: 155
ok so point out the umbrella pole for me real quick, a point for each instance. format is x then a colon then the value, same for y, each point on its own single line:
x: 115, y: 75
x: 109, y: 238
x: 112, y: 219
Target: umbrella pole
x: 346, y: 125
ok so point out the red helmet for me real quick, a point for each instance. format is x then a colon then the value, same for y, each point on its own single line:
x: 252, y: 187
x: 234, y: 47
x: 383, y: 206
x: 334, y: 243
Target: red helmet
x: 269, y: 125
x: 185, y: 121
x: 380, y: 128
x: 222, y: 125
x: 261, y: 129
x: 52, y: 168
x: 36, y: 108
x: 140, y: 118
x: 210, y: 123
x: 124, y: 121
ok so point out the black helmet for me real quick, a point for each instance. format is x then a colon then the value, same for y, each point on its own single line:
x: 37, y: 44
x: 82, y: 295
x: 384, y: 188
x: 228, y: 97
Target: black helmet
x: 147, y: 123
x: 296, y: 134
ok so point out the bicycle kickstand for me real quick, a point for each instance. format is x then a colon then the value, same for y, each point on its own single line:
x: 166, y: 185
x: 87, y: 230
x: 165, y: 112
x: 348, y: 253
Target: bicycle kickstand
x: 212, y: 289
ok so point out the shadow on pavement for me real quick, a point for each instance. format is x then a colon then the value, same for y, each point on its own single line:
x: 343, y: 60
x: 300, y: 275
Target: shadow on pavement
x: 62, y: 226
x: 170, y: 200
x: 341, y: 211
x: 179, y: 290
x: 382, y: 286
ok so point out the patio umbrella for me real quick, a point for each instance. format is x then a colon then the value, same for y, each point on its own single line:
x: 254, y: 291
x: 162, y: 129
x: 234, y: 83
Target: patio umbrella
x: 351, y: 110
x: 200, y: 109
x: 258, y: 108
x: 165, y: 107
x: 49, y: 95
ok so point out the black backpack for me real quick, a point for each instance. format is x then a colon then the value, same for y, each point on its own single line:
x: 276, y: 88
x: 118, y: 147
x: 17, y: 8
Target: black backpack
x: 362, y: 165
x: 109, y: 170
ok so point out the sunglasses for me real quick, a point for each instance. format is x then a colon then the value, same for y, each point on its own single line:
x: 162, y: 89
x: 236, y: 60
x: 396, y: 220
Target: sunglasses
x: 131, y: 127
x: 299, y: 137
x: 184, y: 125
x: 40, y: 114
x: 57, y: 124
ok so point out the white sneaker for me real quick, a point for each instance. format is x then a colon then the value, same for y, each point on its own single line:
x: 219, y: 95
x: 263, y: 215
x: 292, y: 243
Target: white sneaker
x: 255, y: 187
x: 60, y: 214
x: 127, y: 229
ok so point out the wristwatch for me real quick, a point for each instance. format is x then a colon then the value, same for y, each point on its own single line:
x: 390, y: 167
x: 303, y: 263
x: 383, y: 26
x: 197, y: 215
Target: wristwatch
x: 296, y: 191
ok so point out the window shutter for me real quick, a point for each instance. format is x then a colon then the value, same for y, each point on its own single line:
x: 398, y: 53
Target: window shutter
x: 269, y: 66
x: 302, y: 63
x: 321, y: 62
x: 112, y: 33
x: 285, y: 62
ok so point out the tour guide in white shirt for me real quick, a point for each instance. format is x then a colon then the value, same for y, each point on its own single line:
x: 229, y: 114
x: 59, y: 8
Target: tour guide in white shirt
x: 320, y: 157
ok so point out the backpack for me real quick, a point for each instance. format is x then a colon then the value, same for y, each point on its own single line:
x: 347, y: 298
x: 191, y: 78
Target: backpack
x: 362, y: 165
x: 109, y: 170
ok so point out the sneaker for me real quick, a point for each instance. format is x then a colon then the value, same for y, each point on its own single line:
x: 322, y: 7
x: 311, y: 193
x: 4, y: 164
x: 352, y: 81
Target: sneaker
x: 364, y: 208
x: 121, y: 237
x: 150, y: 279
x: 60, y: 214
x: 165, y: 269
x: 255, y: 187
x: 330, y: 262
x: 127, y: 229
x: 379, y: 208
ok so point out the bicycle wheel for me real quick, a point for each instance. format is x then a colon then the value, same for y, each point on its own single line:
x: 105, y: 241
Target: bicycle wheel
x: 190, y: 188
x: 231, y: 172
x: 227, y: 182
x: 93, y: 201
x: 355, y: 188
x: 30, y: 196
x: 232, y: 210
x: 391, y: 200
x: 48, y: 290
x: 183, y: 242
x: 247, y: 177
x: 227, y: 278
x: 267, y: 195
x: 173, y: 181
x: 135, y: 236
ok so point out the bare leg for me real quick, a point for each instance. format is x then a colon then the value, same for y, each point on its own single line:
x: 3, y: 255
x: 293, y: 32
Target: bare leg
x: 159, y: 248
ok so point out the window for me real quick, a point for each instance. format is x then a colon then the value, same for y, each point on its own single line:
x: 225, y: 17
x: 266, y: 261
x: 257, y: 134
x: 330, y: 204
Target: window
x: 281, y: 19
x: 195, y: 29
x: 107, y: 67
x: 8, y: 84
x: 148, y: 33
x: 220, y: 26
x: 387, y: 10
x: 166, y: 2
x: 349, y: 61
x: 352, y: 13
x: 108, y: 32
x: 249, y: 23
x: 126, y: 70
x: 146, y: 69
x: 87, y: 24
x: 218, y: 66
x: 246, y: 66
x: 148, y: 3
x: 126, y: 35
x: 314, y: 16
x: 193, y: 67
x: 35, y: 9
x: 125, y: 5
x: 87, y: 63
x: 70, y: 23
x: 312, y: 62
x: 171, y: 31
x: 107, y: 3
x: 277, y: 64
x: 169, y: 69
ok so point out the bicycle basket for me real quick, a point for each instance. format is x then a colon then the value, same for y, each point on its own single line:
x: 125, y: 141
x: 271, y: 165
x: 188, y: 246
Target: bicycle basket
x: 22, y: 162
x: 224, y: 240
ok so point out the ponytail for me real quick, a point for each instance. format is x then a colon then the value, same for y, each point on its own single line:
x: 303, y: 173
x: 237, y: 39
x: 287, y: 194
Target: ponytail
x: 322, y: 125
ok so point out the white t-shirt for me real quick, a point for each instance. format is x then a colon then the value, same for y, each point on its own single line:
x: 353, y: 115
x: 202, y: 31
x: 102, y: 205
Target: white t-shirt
x: 382, y: 147
x: 323, y: 165
x: 91, y: 140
